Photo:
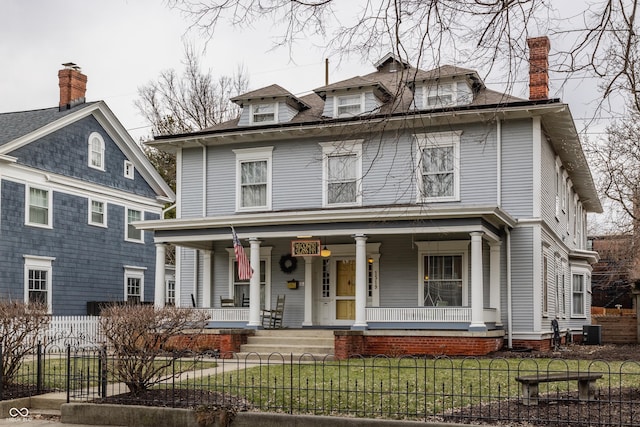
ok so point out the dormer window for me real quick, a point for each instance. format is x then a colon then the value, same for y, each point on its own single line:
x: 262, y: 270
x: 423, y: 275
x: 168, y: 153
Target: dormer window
x: 349, y: 105
x: 264, y: 113
x: 441, y: 95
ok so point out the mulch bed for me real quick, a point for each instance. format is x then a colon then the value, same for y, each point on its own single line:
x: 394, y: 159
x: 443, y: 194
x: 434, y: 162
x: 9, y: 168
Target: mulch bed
x: 16, y: 391
x: 179, y: 398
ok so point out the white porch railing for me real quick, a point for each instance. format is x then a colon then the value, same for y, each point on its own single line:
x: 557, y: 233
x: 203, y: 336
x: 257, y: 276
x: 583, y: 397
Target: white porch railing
x: 425, y: 314
x: 227, y: 314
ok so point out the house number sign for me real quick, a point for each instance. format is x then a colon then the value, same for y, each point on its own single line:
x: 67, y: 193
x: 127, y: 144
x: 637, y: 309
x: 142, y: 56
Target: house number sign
x: 305, y: 248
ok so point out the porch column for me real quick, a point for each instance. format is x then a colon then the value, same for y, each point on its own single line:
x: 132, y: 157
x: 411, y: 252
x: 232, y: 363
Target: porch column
x: 308, y: 291
x: 494, y: 287
x: 477, y: 296
x: 254, y: 285
x: 159, y: 291
x: 361, y: 282
x: 206, y: 279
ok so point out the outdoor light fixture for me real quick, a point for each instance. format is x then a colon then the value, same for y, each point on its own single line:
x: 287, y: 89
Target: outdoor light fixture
x: 325, y: 252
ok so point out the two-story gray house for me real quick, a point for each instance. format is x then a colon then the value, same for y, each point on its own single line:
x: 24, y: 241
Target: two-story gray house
x: 406, y: 203
x: 72, y: 182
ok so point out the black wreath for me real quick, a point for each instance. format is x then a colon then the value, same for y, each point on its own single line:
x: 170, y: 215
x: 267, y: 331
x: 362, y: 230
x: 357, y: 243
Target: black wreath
x: 288, y: 263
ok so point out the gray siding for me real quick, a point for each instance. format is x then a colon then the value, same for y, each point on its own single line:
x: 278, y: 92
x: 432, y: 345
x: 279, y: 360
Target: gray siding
x: 522, y: 278
x: 517, y: 168
x: 66, y: 152
x: 191, y: 183
x: 89, y: 261
x: 187, y: 276
x: 398, y: 272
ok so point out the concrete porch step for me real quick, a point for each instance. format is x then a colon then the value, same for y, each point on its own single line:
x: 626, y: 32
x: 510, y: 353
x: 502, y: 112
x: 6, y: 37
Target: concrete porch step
x: 281, y: 344
x: 285, y: 350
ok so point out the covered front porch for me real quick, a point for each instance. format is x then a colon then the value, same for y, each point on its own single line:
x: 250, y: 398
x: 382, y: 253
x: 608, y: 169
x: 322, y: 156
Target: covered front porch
x: 446, y: 274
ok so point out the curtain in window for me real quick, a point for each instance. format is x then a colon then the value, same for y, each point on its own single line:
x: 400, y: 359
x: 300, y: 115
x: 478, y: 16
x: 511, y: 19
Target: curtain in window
x: 438, y: 171
x: 443, y: 280
x: 342, y: 179
x: 38, y: 206
x: 254, y: 183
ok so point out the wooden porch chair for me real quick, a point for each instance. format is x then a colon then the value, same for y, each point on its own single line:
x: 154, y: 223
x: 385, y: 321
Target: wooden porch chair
x: 272, y: 319
x: 245, y: 301
x: 227, y: 302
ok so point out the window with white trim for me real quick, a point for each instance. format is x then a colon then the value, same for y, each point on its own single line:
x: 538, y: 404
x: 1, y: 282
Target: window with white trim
x: 170, y: 292
x: 37, y: 280
x: 443, y: 274
x: 129, y: 170
x: 441, y: 95
x: 342, y: 172
x: 349, y: 105
x: 134, y: 284
x: 240, y: 288
x: 97, y: 213
x: 264, y: 113
x: 253, y: 178
x: 578, y: 294
x: 39, y: 211
x: 438, y: 174
x: 133, y: 234
x: 96, y: 151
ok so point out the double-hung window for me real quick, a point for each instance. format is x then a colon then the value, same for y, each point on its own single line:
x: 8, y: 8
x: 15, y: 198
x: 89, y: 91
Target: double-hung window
x: 443, y: 274
x: 37, y: 280
x: 438, y: 174
x: 578, y: 294
x: 134, y: 284
x: 96, y: 151
x: 253, y: 179
x: 133, y: 234
x: 342, y: 170
x: 264, y: 113
x: 38, y: 212
x: 97, y: 213
x: 349, y: 105
x: 446, y: 95
x: 240, y: 288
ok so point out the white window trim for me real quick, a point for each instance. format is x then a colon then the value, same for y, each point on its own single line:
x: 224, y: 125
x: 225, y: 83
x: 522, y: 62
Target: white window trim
x: 265, y: 255
x: 268, y: 122
x: 129, y: 169
x: 104, y: 213
x: 436, y: 86
x: 336, y: 98
x: 34, y: 262
x: 126, y: 225
x: 444, y: 248
x: 135, y: 272
x: 102, y: 151
x: 253, y: 155
x: 438, y: 139
x: 585, y: 273
x: 341, y: 148
x: 27, y: 206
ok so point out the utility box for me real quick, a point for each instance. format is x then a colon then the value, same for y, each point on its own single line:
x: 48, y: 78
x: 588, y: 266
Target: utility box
x: 591, y: 334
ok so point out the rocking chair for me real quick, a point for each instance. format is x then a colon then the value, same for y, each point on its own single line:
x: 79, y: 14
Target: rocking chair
x: 272, y: 319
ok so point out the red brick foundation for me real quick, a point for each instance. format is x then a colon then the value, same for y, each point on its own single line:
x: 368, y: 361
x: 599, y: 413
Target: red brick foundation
x: 226, y: 341
x: 351, y: 343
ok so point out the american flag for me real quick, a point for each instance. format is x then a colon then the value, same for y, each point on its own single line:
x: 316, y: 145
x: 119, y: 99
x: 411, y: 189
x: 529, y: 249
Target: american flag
x: 244, y: 266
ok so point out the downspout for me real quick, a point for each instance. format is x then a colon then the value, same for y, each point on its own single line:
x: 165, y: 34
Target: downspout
x: 509, y: 301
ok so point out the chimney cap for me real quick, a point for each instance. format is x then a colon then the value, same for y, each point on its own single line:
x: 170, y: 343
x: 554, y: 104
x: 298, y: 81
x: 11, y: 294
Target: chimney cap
x: 71, y: 66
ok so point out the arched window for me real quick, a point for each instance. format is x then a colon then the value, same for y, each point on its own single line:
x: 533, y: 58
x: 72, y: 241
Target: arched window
x: 96, y: 151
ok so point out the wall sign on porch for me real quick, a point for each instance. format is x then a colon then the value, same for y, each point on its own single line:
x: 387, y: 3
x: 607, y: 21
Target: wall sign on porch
x: 305, y: 248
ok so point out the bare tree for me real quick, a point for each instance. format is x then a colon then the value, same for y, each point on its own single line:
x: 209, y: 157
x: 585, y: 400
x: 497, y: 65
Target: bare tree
x: 20, y: 328
x: 139, y: 335
x: 191, y: 101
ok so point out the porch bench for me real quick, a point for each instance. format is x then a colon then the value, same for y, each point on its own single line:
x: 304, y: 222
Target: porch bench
x: 586, y: 384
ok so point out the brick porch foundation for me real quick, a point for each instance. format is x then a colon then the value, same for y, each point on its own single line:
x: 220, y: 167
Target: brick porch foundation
x: 400, y: 343
x: 226, y: 341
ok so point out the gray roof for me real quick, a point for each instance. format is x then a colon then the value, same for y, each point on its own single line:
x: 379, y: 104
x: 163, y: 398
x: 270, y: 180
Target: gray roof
x: 17, y: 124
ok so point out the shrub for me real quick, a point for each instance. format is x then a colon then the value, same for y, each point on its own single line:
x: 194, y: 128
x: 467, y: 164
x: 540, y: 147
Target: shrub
x: 20, y: 327
x: 139, y: 334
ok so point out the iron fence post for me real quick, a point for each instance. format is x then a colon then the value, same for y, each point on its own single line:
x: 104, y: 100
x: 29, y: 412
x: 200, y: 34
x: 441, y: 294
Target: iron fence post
x: 1, y: 374
x: 68, y: 372
x: 39, y: 369
x: 103, y: 371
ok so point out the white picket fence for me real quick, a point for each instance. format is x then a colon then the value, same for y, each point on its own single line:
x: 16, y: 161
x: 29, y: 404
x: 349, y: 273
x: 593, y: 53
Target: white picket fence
x: 77, y: 331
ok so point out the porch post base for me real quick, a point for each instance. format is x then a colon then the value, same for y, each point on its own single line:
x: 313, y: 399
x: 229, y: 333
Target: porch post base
x: 359, y: 327
x: 250, y: 326
x: 475, y: 327
x: 307, y: 324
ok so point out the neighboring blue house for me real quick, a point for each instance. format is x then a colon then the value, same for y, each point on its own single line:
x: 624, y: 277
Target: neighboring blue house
x: 72, y: 182
x: 450, y: 212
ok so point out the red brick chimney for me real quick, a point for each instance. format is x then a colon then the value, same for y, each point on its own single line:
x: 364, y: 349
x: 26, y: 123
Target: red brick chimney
x: 539, y: 67
x: 73, y: 86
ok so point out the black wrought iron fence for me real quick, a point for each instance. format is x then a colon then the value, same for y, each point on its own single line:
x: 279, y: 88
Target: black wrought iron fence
x: 549, y: 392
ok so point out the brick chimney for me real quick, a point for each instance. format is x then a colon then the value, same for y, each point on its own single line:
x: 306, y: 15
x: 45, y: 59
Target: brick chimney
x: 73, y: 86
x: 539, y: 67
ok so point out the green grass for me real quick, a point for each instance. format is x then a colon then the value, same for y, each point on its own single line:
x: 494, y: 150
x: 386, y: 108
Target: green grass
x: 400, y: 388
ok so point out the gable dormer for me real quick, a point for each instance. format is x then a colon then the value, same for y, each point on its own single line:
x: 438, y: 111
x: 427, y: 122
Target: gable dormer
x: 391, y: 63
x: 443, y: 87
x: 353, y: 97
x: 269, y: 105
